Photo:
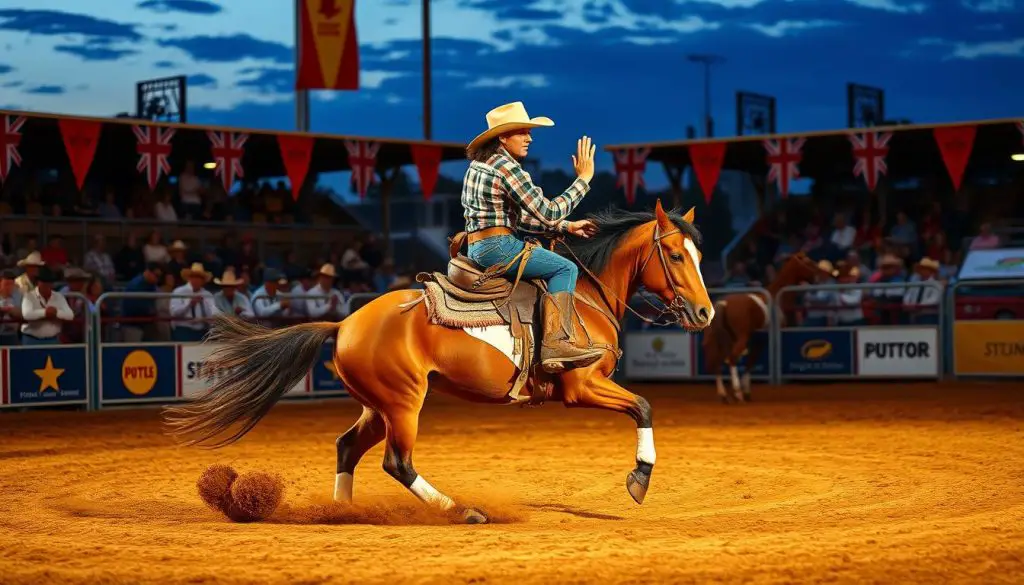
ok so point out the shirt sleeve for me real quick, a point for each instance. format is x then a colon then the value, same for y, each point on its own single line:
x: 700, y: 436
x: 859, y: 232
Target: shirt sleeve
x: 30, y: 309
x: 64, y: 311
x: 538, y: 212
x: 246, y: 307
x: 179, y: 305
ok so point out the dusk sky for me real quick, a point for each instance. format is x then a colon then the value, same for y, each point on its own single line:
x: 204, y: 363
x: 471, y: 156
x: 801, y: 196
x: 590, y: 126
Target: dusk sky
x: 614, y: 69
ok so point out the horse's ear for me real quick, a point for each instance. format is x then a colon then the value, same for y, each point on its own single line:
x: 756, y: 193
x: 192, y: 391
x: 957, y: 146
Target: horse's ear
x: 662, y: 217
x: 688, y: 218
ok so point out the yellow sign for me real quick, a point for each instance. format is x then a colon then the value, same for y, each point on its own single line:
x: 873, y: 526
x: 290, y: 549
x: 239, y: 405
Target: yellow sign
x: 48, y: 376
x: 817, y: 349
x: 988, y: 347
x: 138, y: 372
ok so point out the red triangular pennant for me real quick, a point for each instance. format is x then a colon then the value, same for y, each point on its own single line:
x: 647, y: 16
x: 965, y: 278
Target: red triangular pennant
x: 80, y: 139
x: 955, y: 144
x: 428, y: 163
x: 706, y: 158
x: 296, y: 152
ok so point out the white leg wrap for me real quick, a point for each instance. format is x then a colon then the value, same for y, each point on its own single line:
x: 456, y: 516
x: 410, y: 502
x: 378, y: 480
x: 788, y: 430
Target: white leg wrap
x: 735, y: 378
x: 720, y: 385
x: 746, y: 381
x: 645, y: 445
x: 343, y: 488
x: 426, y: 492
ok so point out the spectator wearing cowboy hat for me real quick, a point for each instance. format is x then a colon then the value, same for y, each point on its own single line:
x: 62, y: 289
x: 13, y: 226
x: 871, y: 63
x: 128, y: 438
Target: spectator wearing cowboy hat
x: 850, y: 300
x: 76, y: 278
x: 31, y: 265
x: 921, y: 302
x: 228, y: 300
x: 43, y: 309
x: 179, y: 258
x: 267, y: 301
x: 820, y: 302
x: 890, y: 299
x: 325, y: 301
x: 192, y: 306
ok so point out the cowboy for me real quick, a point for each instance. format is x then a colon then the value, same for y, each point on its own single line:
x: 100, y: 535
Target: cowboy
x: 10, y: 308
x: 266, y: 302
x: 820, y: 302
x: 31, y: 265
x: 301, y: 291
x: 849, y: 300
x: 499, y: 198
x: 922, y: 300
x: 324, y: 300
x: 192, y: 304
x: 890, y: 270
x: 43, y: 310
x: 228, y: 300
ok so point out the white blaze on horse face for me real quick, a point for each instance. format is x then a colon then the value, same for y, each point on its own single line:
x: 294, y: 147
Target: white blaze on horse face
x: 691, y: 249
x: 645, y: 445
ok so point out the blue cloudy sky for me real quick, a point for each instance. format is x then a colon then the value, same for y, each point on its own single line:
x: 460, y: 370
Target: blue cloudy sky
x: 614, y: 69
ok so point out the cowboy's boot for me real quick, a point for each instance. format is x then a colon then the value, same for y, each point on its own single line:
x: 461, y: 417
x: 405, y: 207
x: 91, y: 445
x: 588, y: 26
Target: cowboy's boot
x: 558, y: 349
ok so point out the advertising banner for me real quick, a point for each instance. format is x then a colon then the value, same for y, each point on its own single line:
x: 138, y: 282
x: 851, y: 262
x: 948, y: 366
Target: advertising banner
x: 988, y: 348
x: 323, y: 376
x: 817, y: 352
x: 899, y: 352
x: 138, y: 372
x: 659, y: 356
x: 762, y: 367
x: 194, y: 378
x: 41, y: 375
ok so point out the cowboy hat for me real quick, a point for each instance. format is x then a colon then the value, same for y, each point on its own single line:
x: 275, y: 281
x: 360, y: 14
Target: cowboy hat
x: 507, y: 118
x: 927, y: 263
x: 890, y: 260
x: 228, y: 279
x: 845, y: 269
x: 33, y: 259
x: 826, y: 266
x: 75, y: 273
x: 274, y: 275
x: 327, y: 270
x: 178, y: 245
x: 196, y: 270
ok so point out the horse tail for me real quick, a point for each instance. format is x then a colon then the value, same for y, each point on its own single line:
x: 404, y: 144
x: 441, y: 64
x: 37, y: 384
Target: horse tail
x: 260, y: 365
x: 718, y: 339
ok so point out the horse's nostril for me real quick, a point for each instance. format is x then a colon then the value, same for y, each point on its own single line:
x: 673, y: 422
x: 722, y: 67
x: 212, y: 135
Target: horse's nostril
x: 702, y: 315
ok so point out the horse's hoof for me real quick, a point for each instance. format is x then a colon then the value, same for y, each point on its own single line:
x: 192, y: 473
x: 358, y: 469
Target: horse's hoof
x: 747, y: 398
x: 636, y: 485
x: 472, y: 516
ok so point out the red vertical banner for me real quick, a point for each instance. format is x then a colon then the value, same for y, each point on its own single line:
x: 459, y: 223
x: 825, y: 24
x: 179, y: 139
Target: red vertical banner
x: 80, y: 139
x: 428, y: 162
x: 706, y: 158
x: 328, y: 46
x: 955, y: 144
x: 296, y: 153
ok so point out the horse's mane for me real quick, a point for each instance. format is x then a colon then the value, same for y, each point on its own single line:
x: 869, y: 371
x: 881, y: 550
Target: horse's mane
x: 612, y: 225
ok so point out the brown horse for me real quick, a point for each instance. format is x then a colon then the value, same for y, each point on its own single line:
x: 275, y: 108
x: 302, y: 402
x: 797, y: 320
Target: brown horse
x: 389, y: 354
x: 728, y: 338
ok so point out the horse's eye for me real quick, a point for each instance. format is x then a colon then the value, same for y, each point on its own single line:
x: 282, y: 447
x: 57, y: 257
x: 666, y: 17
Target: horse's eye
x: 676, y: 257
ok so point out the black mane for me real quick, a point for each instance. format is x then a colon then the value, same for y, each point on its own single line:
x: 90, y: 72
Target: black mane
x: 612, y: 224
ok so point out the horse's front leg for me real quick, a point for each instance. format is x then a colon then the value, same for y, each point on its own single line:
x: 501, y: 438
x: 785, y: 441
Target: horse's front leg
x: 591, y: 389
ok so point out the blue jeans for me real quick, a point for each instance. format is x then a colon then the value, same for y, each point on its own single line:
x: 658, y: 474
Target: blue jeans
x: 29, y: 340
x: 559, y: 273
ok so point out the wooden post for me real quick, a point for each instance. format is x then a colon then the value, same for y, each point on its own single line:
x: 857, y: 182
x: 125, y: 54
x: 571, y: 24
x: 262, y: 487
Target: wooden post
x: 674, y: 172
x: 387, y: 182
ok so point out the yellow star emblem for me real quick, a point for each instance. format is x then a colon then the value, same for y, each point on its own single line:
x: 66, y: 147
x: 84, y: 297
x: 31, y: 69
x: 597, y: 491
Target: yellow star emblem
x: 330, y: 368
x: 48, y: 376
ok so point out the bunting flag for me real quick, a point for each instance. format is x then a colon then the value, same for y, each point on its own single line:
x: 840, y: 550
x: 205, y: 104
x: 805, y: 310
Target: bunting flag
x: 706, y: 158
x: 428, y: 162
x: 296, y: 153
x: 328, y: 47
x: 630, y: 164
x: 955, y: 144
x: 80, y: 139
x: 154, y: 146
x: 784, y: 158
x: 870, y: 150
x: 227, y: 150
x: 10, y: 138
x: 362, y: 158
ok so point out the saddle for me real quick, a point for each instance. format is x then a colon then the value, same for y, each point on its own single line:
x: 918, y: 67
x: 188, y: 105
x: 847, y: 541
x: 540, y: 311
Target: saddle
x: 471, y: 296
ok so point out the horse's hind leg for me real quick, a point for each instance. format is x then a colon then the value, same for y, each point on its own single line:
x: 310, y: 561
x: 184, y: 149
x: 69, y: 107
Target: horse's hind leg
x: 738, y: 349
x: 363, y: 436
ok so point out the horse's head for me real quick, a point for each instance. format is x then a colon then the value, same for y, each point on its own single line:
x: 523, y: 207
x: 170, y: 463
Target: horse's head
x: 670, y: 268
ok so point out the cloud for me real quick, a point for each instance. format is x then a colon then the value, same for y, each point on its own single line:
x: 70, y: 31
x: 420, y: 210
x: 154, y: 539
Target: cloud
x: 968, y: 51
x: 52, y: 22
x: 227, y: 49
x: 187, y: 6
x: 165, y: 65
x: 14, y: 84
x: 784, y: 28
x: 897, y: 6
x: 990, y: 5
x: 729, y: 4
x: 201, y: 80
x: 95, y: 52
x: 47, y: 89
x: 509, y: 81
x: 4, y: 69
x: 268, y: 80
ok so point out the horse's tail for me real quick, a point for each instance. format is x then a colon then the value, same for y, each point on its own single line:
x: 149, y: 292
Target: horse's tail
x: 718, y: 339
x: 259, y: 365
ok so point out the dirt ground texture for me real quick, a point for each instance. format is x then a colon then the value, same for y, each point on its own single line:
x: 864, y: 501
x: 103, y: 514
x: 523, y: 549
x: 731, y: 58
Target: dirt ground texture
x: 886, y: 483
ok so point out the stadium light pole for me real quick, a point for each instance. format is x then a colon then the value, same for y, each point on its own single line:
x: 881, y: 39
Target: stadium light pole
x: 707, y: 60
x: 301, y: 95
x: 427, y: 129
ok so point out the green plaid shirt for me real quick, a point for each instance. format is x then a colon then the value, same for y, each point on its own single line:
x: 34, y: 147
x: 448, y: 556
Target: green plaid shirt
x: 501, y: 193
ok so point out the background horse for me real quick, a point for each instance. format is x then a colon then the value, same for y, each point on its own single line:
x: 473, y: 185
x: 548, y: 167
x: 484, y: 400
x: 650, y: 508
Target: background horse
x: 740, y: 315
x: 389, y: 356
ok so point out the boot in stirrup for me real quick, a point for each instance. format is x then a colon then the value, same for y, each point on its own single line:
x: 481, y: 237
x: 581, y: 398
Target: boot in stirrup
x: 558, y: 349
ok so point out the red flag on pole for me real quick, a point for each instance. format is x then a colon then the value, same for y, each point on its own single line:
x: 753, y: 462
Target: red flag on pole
x: 630, y: 164
x: 80, y: 139
x: 428, y: 163
x: 154, y: 146
x: 228, y: 149
x: 706, y: 158
x: 328, y: 48
x: 10, y: 138
x: 955, y: 144
x: 362, y: 158
x: 870, y: 150
x: 784, y: 156
x: 296, y: 152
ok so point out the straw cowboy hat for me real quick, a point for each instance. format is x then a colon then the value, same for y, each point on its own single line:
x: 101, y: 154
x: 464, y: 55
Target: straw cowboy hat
x: 826, y: 266
x: 926, y: 264
x: 33, y: 259
x: 327, y: 270
x: 178, y: 245
x: 228, y: 279
x: 890, y: 260
x: 508, y: 118
x: 196, y: 270
x: 75, y: 273
x: 846, y: 269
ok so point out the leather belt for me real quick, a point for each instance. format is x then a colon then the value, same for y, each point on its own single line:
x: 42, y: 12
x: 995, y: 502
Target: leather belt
x: 498, y: 230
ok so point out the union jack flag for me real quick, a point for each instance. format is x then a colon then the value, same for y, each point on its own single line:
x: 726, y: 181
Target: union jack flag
x: 10, y: 138
x: 362, y: 158
x: 228, y: 149
x: 630, y: 164
x: 784, y: 156
x: 870, y: 150
x: 154, y: 147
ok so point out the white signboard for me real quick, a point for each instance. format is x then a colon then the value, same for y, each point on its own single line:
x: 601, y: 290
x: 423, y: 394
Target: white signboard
x: 898, y: 352
x: 195, y: 379
x: 993, y: 264
x: 659, y: 356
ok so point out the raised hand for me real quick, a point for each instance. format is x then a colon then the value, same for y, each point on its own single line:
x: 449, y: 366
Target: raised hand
x: 583, y: 160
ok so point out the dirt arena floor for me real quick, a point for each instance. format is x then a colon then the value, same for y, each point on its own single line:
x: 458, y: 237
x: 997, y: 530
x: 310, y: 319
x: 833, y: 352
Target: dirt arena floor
x: 906, y: 483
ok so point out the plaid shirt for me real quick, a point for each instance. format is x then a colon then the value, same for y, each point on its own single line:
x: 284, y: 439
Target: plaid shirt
x: 501, y: 193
